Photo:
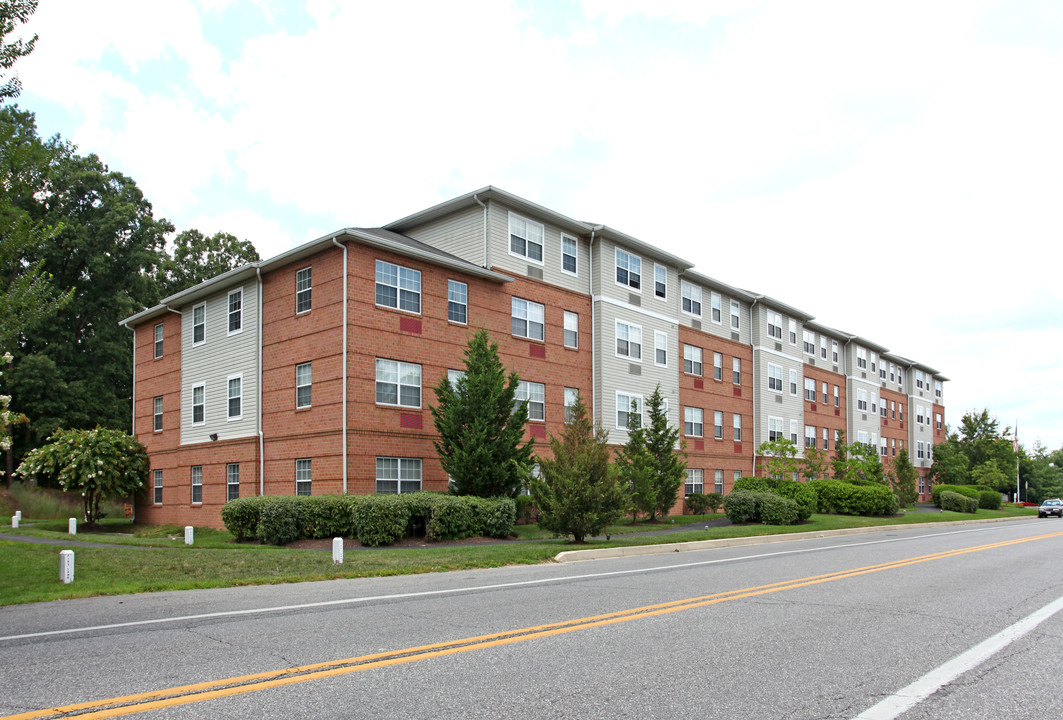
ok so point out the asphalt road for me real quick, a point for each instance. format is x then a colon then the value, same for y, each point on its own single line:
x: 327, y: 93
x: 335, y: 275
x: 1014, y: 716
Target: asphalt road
x: 813, y: 628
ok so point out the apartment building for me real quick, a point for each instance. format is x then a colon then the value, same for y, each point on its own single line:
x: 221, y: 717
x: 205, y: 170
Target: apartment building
x: 312, y: 372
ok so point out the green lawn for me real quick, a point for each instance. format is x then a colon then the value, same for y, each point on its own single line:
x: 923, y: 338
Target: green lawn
x: 30, y: 573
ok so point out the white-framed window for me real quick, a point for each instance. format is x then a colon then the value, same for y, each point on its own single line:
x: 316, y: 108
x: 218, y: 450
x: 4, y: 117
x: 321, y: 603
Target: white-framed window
x: 775, y: 431
x: 660, y: 281
x: 937, y: 389
x: 156, y: 483
x: 893, y: 409
x: 197, y: 484
x: 775, y: 377
x: 303, y: 385
x: 693, y: 421
x: 157, y: 413
x: 571, y: 394
x: 900, y: 411
x: 691, y: 360
x: 628, y: 270
x: 810, y: 436
x: 453, y: 376
x: 862, y: 437
x: 823, y: 347
x: 535, y: 394
x: 874, y: 403
x: 837, y: 396
x: 919, y: 379
x: 774, y: 320
x: 232, y: 481
x: 736, y: 422
x: 569, y: 250
x: 304, y: 475
x: 810, y: 389
x: 628, y: 340
x: 883, y: 409
x: 695, y: 481
x: 235, y: 409
x: 937, y: 420
x: 628, y: 405
x: 304, y: 288
x: 736, y: 315
x: 826, y: 441
x: 525, y: 238
x: 660, y: 348
x: 716, y: 307
x: 571, y: 329
x: 398, y: 287
x: 900, y: 379
x: 529, y: 319
x: 893, y: 372
x: 793, y: 331
x: 826, y: 395
x: 861, y: 399
x: 717, y: 366
x: 717, y: 424
x: 397, y: 475
x: 236, y: 311
x: 719, y: 481
x: 158, y: 340
x: 882, y: 370
x: 808, y: 340
x: 398, y: 383
x: 834, y: 351
x: 457, y: 302
x: 793, y: 382
x: 919, y: 410
x: 861, y: 358
x: 736, y: 371
x: 691, y: 295
x: 199, y: 393
x: 922, y: 484
x: 919, y: 453
x: 884, y: 447
x: 793, y: 431
x: 199, y: 324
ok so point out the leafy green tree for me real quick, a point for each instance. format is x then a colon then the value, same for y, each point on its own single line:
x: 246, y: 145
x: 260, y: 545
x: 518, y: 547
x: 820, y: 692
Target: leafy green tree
x: 989, y: 475
x: 815, y: 463
x: 13, y: 13
x: 481, y: 427
x: 857, y: 462
x: 635, y: 465
x: 904, y: 479
x: 1041, y: 473
x: 780, y: 458
x: 579, y: 493
x: 950, y: 466
x: 101, y: 464
x: 196, y: 258
x: 667, y: 453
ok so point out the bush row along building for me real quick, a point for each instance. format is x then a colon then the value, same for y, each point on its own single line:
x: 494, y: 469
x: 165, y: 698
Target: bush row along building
x: 312, y: 372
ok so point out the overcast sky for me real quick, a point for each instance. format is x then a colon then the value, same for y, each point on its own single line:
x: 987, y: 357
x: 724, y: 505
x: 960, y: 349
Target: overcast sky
x: 895, y: 169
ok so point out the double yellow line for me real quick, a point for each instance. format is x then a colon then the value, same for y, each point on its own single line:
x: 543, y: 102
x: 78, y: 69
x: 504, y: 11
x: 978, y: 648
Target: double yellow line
x: 186, y: 694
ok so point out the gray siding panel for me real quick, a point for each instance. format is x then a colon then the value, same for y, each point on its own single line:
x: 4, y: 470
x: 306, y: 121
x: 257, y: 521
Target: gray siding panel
x: 461, y: 234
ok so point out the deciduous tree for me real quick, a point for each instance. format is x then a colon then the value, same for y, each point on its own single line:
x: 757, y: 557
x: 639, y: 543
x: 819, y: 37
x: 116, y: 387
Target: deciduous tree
x: 196, y: 257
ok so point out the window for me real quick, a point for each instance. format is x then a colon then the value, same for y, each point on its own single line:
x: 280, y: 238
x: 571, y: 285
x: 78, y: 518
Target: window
x: 303, y: 289
x: 232, y: 481
x: 398, y: 383
x: 874, y: 403
x: 660, y: 348
x: 793, y: 431
x: 303, y: 379
x: 571, y: 330
x: 628, y: 269
x: 808, y: 340
x: 457, y: 302
x: 823, y: 347
x: 719, y: 482
x: 570, y: 403
x: 861, y: 358
x: 691, y: 360
x: 736, y: 315
x: 716, y: 305
x: 525, y: 238
x: 826, y: 442
x: 158, y: 413
x: 535, y: 394
x: 793, y: 382
x: 236, y: 311
x: 884, y: 449
x: 774, y: 324
x: 826, y: 396
x: 717, y: 366
x: 398, y: 287
x: 810, y: 436
x: 810, y: 389
x: 919, y: 414
x: 919, y: 379
x: 900, y: 411
x: 893, y: 409
x: 197, y: 483
x: 529, y: 319
x: 199, y: 324
x: 861, y: 437
x: 900, y: 379
x: 628, y: 340
x: 717, y: 425
x: 882, y: 371
x: 398, y: 475
x: 695, y: 481
x: 236, y: 397
x: 157, y: 487
x: 937, y: 389
x: 303, y: 476
x: 691, y: 298
x: 660, y: 281
x: 837, y: 397
x: 774, y: 429
x: 453, y: 376
x: 568, y: 254
x: 861, y: 400
x: 873, y: 361
x: 937, y: 420
x: 919, y: 453
x: 693, y: 421
x: 883, y: 409
x: 793, y: 331
x: 158, y: 340
x: 198, y: 392
x: 628, y: 406
x: 736, y: 371
x: 775, y: 377
x: 834, y: 351
x: 736, y: 421
x: 893, y: 372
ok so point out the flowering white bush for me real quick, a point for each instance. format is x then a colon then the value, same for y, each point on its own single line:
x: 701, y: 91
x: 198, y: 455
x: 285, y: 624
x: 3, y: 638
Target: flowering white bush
x: 8, y: 417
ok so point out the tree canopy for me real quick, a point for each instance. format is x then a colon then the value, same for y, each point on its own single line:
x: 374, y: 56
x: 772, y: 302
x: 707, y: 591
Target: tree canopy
x: 196, y: 258
x: 979, y: 453
x: 12, y: 14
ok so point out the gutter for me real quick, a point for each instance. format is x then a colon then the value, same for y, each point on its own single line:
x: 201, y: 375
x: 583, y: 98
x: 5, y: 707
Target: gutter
x: 343, y: 247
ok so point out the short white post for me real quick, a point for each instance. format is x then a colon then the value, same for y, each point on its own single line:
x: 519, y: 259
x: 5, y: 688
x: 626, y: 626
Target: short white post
x: 337, y: 551
x: 15, y: 518
x: 188, y: 534
x: 66, y: 566
x: 72, y: 526
x: 18, y: 514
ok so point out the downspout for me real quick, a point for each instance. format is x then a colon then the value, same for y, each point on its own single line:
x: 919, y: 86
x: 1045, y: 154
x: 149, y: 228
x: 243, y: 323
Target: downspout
x: 753, y: 375
x: 594, y: 334
x: 849, y: 414
x: 258, y: 411
x: 474, y: 197
x: 343, y: 246
x: 132, y: 419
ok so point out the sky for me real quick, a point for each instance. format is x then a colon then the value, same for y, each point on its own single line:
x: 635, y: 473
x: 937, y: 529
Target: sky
x: 894, y: 169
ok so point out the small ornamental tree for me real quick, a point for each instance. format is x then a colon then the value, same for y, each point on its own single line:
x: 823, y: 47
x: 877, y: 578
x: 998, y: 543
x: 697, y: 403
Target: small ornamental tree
x: 102, y: 464
x: 780, y: 458
x: 578, y: 493
x: 635, y: 467
x: 815, y: 463
x: 669, y: 458
x: 481, y: 427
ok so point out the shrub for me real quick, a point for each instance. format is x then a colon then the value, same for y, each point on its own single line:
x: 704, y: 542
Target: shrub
x: 241, y: 516
x: 965, y: 490
x: 453, y: 518
x: 845, y: 498
x: 697, y: 503
x: 497, y: 517
x: 328, y: 516
x: 755, y: 484
x: 800, y: 493
x: 958, y: 503
x: 525, y: 509
x: 714, y: 500
x: 741, y: 506
x: 989, y: 500
x: 281, y: 520
x: 381, y: 519
x: 777, y: 510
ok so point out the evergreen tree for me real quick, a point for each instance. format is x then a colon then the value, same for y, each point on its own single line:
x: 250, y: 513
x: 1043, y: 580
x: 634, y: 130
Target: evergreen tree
x: 579, y: 494
x: 481, y: 427
x: 635, y: 465
x: 669, y: 459
x: 904, y: 479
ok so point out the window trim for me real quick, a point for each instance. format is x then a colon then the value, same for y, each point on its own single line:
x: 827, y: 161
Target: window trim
x: 616, y: 343
x: 630, y: 397
x: 464, y: 305
x: 308, y: 385
x: 523, y: 393
x: 229, y: 417
x: 156, y: 413
x: 203, y: 324
x: 690, y: 485
x: 659, y: 335
x: 308, y: 290
x: 693, y: 421
x: 687, y: 290
x: 157, y: 340
x: 565, y: 329
x: 700, y: 363
x: 617, y: 251
x: 197, y: 485
x: 574, y: 255
x: 399, y: 479
x: 239, y: 312
x: 156, y: 487
x: 398, y: 287
x: 202, y: 404
x: 527, y: 241
x: 229, y: 481
x: 736, y: 315
x: 398, y: 384
x: 528, y: 322
x: 308, y: 476
x: 661, y: 297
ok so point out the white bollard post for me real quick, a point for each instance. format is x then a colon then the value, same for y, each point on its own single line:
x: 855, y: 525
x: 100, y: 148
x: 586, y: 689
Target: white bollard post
x: 66, y: 566
x: 188, y: 534
x: 18, y: 514
x: 72, y: 526
x: 14, y: 519
x: 337, y: 551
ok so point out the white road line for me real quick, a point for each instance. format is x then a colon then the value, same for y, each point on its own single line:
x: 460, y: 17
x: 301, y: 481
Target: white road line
x: 475, y: 588
x: 906, y: 698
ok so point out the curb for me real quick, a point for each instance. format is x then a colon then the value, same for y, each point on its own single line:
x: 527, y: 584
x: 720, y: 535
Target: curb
x: 642, y: 550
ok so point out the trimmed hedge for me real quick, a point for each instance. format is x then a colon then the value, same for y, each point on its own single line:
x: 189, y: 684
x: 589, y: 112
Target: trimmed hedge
x: 958, y: 503
x: 967, y: 490
x: 374, y: 519
x: 845, y: 498
x: 990, y: 500
x: 741, y: 506
x: 766, y: 507
x: 799, y: 492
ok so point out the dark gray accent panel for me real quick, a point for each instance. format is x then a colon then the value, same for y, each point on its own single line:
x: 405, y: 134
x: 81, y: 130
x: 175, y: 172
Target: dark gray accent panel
x: 535, y: 272
x: 634, y: 369
x: 696, y: 324
x: 634, y: 299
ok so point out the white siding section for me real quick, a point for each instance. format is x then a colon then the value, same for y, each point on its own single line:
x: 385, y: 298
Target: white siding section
x: 500, y: 257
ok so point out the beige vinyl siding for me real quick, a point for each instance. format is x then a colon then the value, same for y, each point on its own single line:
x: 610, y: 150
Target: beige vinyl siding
x: 863, y: 420
x: 705, y: 323
x: 500, y: 257
x: 220, y: 357
x: 779, y: 345
x: 777, y: 403
x: 460, y: 233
